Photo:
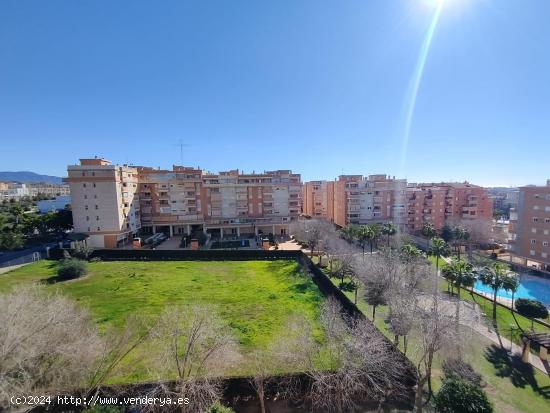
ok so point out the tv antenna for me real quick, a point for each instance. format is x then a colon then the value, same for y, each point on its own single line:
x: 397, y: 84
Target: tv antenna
x: 181, y: 146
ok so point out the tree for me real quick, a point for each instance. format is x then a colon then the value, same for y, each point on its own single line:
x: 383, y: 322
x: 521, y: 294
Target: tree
x: 46, y: 342
x: 429, y: 232
x: 388, y: 229
x: 373, y: 232
x: 435, y: 334
x: 439, y: 249
x: 11, y: 241
x: 447, y: 233
x: 497, y: 276
x: 313, y: 232
x: 461, y: 396
x: 193, y: 342
x: 531, y: 309
x: 460, y: 234
x: 377, y: 275
x: 349, y: 233
x: 462, y: 275
x: 355, y: 363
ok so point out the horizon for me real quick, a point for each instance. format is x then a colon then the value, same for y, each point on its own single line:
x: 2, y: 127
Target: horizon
x: 423, y: 90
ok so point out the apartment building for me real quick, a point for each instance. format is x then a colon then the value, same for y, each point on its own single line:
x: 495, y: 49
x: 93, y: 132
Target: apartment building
x: 184, y: 200
x: 104, y: 201
x: 530, y: 224
x: 354, y: 199
x: 111, y: 203
x: 440, y: 203
x: 50, y: 190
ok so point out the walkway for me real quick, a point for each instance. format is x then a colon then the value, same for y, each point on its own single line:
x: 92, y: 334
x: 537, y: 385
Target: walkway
x: 471, y: 316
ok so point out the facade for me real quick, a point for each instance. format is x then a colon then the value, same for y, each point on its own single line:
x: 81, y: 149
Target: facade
x: 530, y: 224
x: 111, y: 203
x: 354, y: 199
x: 228, y: 204
x: 104, y: 201
x: 446, y: 203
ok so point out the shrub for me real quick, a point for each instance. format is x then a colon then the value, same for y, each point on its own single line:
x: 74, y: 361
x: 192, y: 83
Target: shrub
x: 461, y: 396
x: 82, y: 252
x: 72, y: 268
x: 219, y: 408
x: 531, y: 308
x: 460, y: 369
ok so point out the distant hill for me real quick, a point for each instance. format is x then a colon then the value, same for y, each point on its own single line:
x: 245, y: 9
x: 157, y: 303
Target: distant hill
x: 26, y: 176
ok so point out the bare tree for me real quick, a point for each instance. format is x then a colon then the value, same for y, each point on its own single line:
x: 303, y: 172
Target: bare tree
x: 378, y: 273
x: 314, y: 232
x: 195, y: 342
x: 435, y: 330
x: 47, y: 342
x: 356, y: 364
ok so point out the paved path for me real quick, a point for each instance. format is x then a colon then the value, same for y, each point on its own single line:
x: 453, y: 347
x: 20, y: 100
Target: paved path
x: 13, y: 267
x: 471, y: 316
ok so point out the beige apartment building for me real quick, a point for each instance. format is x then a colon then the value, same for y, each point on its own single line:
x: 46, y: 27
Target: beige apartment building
x: 104, y: 201
x: 111, y: 203
x: 227, y: 204
x: 530, y: 225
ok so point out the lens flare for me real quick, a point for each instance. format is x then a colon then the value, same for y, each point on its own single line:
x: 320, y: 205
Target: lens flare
x: 416, y: 79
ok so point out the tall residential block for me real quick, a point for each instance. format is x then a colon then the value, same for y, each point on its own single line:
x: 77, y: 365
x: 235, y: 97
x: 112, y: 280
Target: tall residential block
x: 446, y: 202
x: 111, y: 203
x: 354, y: 199
x: 104, y: 201
x: 531, y: 226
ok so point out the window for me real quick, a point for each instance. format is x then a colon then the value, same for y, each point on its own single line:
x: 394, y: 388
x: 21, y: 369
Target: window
x: 87, y: 218
x: 97, y: 218
x: 84, y: 185
x: 532, y: 252
x: 546, y: 232
x: 547, y: 220
x: 544, y: 243
x: 98, y: 228
x: 93, y: 173
x: 95, y: 196
x: 88, y: 229
x: 86, y: 207
x: 94, y: 184
x: 533, y: 241
x: 96, y: 207
x: 85, y: 196
x: 547, y: 208
x: 534, y: 230
x: 535, y: 219
x: 535, y: 207
x: 544, y: 255
x: 83, y: 173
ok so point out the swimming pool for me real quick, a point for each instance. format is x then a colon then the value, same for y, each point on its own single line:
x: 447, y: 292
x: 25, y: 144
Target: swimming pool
x: 535, y: 288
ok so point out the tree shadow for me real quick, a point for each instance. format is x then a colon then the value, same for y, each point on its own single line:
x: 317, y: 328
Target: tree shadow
x: 521, y: 374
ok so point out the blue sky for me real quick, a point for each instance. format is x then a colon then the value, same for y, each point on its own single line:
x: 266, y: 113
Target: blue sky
x: 320, y: 87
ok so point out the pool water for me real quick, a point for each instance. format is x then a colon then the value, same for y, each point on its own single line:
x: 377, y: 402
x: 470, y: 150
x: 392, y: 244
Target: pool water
x: 535, y: 288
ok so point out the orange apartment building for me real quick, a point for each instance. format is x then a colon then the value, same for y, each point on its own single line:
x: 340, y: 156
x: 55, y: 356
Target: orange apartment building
x: 530, y: 225
x: 354, y: 199
x: 446, y: 203
x: 181, y: 201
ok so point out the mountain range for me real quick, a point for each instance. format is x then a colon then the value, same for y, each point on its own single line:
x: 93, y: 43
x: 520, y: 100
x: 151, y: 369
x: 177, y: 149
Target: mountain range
x: 30, y: 177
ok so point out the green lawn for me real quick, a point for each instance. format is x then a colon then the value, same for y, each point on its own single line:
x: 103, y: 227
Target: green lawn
x: 512, y: 386
x: 256, y: 298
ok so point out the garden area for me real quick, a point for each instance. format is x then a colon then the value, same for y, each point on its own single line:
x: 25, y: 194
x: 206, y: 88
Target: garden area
x: 254, y: 298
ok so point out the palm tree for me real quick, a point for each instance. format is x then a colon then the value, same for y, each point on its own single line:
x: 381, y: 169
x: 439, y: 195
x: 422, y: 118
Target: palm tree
x: 349, y: 233
x: 409, y: 253
x: 388, y: 229
x: 497, y: 276
x: 372, y: 233
x: 362, y: 236
x: 428, y: 230
x: 462, y: 275
x: 459, y: 234
x: 439, y: 249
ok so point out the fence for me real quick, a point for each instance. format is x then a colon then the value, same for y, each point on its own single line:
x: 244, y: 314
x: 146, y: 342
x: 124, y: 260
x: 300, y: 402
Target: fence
x: 190, y: 255
x: 23, y: 257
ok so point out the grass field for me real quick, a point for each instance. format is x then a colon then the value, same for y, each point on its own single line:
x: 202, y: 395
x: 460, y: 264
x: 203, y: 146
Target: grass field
x: 255, y: 297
